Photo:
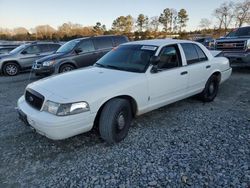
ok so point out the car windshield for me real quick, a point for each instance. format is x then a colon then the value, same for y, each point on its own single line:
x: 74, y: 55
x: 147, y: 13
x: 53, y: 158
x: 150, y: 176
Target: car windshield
x: 68, y: 46
x: 18, y: 49
x: 240, y: 32
x: 132, y: 58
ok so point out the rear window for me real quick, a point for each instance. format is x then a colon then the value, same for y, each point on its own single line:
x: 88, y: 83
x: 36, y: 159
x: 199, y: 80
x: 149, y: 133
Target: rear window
x: 103, y: 43
x: 201, y: 54
x: 119, y: 40
x: 193, y: 53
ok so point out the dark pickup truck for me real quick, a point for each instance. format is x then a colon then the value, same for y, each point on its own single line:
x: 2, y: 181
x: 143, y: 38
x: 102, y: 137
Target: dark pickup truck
x: 236, y: 46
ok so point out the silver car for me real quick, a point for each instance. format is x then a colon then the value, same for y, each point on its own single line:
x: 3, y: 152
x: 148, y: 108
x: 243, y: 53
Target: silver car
x: 22, y: 57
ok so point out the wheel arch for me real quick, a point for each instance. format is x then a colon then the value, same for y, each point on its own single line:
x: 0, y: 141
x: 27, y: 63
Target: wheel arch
x: 217, y: 73
x: 131, y: 100
x: 9, y: 61
x: 64, y: 62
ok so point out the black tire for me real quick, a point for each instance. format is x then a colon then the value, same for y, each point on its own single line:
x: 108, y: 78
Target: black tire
x: 11, y: 69
x: 211, y: 89
x: 115, y: 120
x: 66, y: 68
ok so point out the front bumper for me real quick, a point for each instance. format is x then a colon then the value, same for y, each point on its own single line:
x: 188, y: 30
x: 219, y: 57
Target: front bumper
x: 52, y: 126
x: 43, y: 70
x: 238, y: 59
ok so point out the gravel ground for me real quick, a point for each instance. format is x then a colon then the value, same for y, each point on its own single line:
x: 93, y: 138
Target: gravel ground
x: 186, y: 144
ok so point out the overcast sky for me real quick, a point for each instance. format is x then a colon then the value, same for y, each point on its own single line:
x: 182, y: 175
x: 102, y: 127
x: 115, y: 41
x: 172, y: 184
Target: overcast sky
x: 30, y: 13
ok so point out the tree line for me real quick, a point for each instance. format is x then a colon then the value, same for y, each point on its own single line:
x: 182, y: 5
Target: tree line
x: 170, y: 22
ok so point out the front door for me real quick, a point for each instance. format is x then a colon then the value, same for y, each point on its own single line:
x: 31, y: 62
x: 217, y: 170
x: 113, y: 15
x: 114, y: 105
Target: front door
x: 87, y: 55
x: 169, y: 82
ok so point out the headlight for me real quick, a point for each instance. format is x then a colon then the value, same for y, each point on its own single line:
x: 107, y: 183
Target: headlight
x: 48, y: 63
x: 65, y: 109
x: 248, y: 44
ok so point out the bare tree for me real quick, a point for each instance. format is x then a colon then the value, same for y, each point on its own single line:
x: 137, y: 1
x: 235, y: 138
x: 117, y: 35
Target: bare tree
x: 20, y: 31
x: 44, y: 31
x: 154, y: 23
x: 205, y: 23
x: 224, y: 14
x: 242, y: 13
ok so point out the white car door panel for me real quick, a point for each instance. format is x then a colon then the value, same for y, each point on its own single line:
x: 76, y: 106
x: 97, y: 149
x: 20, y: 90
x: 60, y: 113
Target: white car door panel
x: 171, y: 81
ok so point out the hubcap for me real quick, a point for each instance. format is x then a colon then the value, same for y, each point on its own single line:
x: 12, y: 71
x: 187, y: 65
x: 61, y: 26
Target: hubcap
x: 11, y: 69
x: 121, y: 121
x: 211, y: 88
x: 66, y: 69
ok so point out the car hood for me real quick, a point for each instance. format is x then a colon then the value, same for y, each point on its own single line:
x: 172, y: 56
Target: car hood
x: 2, y: 56
x: 232, y: 39
x: 52, y: 57
x: 83, y: 84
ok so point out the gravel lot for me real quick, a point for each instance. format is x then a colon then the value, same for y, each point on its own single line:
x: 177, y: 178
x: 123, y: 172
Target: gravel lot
x: 186, y: 144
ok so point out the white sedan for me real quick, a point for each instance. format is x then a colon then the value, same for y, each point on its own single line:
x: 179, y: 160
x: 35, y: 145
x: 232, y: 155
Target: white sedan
x: 130, y: 80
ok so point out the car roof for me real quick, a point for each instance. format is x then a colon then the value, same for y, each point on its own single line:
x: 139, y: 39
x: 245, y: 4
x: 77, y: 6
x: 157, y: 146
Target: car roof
x: 158, y: 42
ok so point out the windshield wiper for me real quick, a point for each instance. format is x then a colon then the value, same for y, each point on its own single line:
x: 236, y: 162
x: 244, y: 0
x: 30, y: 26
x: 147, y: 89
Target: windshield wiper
x: 107, y: 66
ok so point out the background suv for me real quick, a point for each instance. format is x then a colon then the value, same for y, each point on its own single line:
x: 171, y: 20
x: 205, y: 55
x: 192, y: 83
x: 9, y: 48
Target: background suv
x: 77, y: 53
x: 236, y: 46
x: 24, y: 56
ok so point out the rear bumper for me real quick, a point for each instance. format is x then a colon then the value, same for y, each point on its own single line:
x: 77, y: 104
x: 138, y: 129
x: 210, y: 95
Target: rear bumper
x: 225, y: 75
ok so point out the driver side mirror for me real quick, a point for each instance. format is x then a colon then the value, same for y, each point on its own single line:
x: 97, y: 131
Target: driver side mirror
x: 78, y: 50
x: 154, y: 60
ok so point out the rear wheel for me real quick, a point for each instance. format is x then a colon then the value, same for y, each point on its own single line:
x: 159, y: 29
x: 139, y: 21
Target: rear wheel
x: 211, y: 89
x: 66, y: 68
x: 11, y: 69
x: 115, y: 120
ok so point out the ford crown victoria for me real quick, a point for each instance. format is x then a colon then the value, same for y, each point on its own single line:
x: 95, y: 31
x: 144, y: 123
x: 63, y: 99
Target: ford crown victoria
x: 130, y: 80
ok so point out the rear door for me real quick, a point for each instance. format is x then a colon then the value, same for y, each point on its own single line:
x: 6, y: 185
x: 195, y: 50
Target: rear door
x: 103, y: 45
x: 169, y: 83
x: 198, y: 66
x: 88, y: 55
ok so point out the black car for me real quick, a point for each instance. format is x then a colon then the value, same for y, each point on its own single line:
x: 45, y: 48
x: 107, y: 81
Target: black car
x: 81, y: 52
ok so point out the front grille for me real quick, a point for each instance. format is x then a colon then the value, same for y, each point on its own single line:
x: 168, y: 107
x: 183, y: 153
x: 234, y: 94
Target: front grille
x: 34, y: 99
x: 231, y: 45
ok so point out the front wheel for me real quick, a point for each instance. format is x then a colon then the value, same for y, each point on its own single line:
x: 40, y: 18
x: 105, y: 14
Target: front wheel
x: 11, y: 69
x: 115, y: 120
x: 66, y: 68
x: 211, y: 89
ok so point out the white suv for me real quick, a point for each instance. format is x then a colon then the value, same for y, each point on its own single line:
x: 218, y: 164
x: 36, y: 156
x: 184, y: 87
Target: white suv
x: 130, y: 80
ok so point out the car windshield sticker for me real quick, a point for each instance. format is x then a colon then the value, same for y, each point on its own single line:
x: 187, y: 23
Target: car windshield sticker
x: 153, y: 48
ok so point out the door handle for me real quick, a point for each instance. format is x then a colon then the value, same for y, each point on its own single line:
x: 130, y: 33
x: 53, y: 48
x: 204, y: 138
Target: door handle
x: 183, y: 73
x: 208, y: 66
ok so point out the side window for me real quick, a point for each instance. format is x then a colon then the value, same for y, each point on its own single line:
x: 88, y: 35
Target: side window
x: 86, y: 46
x: 193, y: 53
x: 190, y: 53
x: 53, y: 47
x: 33, y: 49
x: 44, y: 47
x: 103, y: 42
x: 201, y: 54
x: 169, y: 57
